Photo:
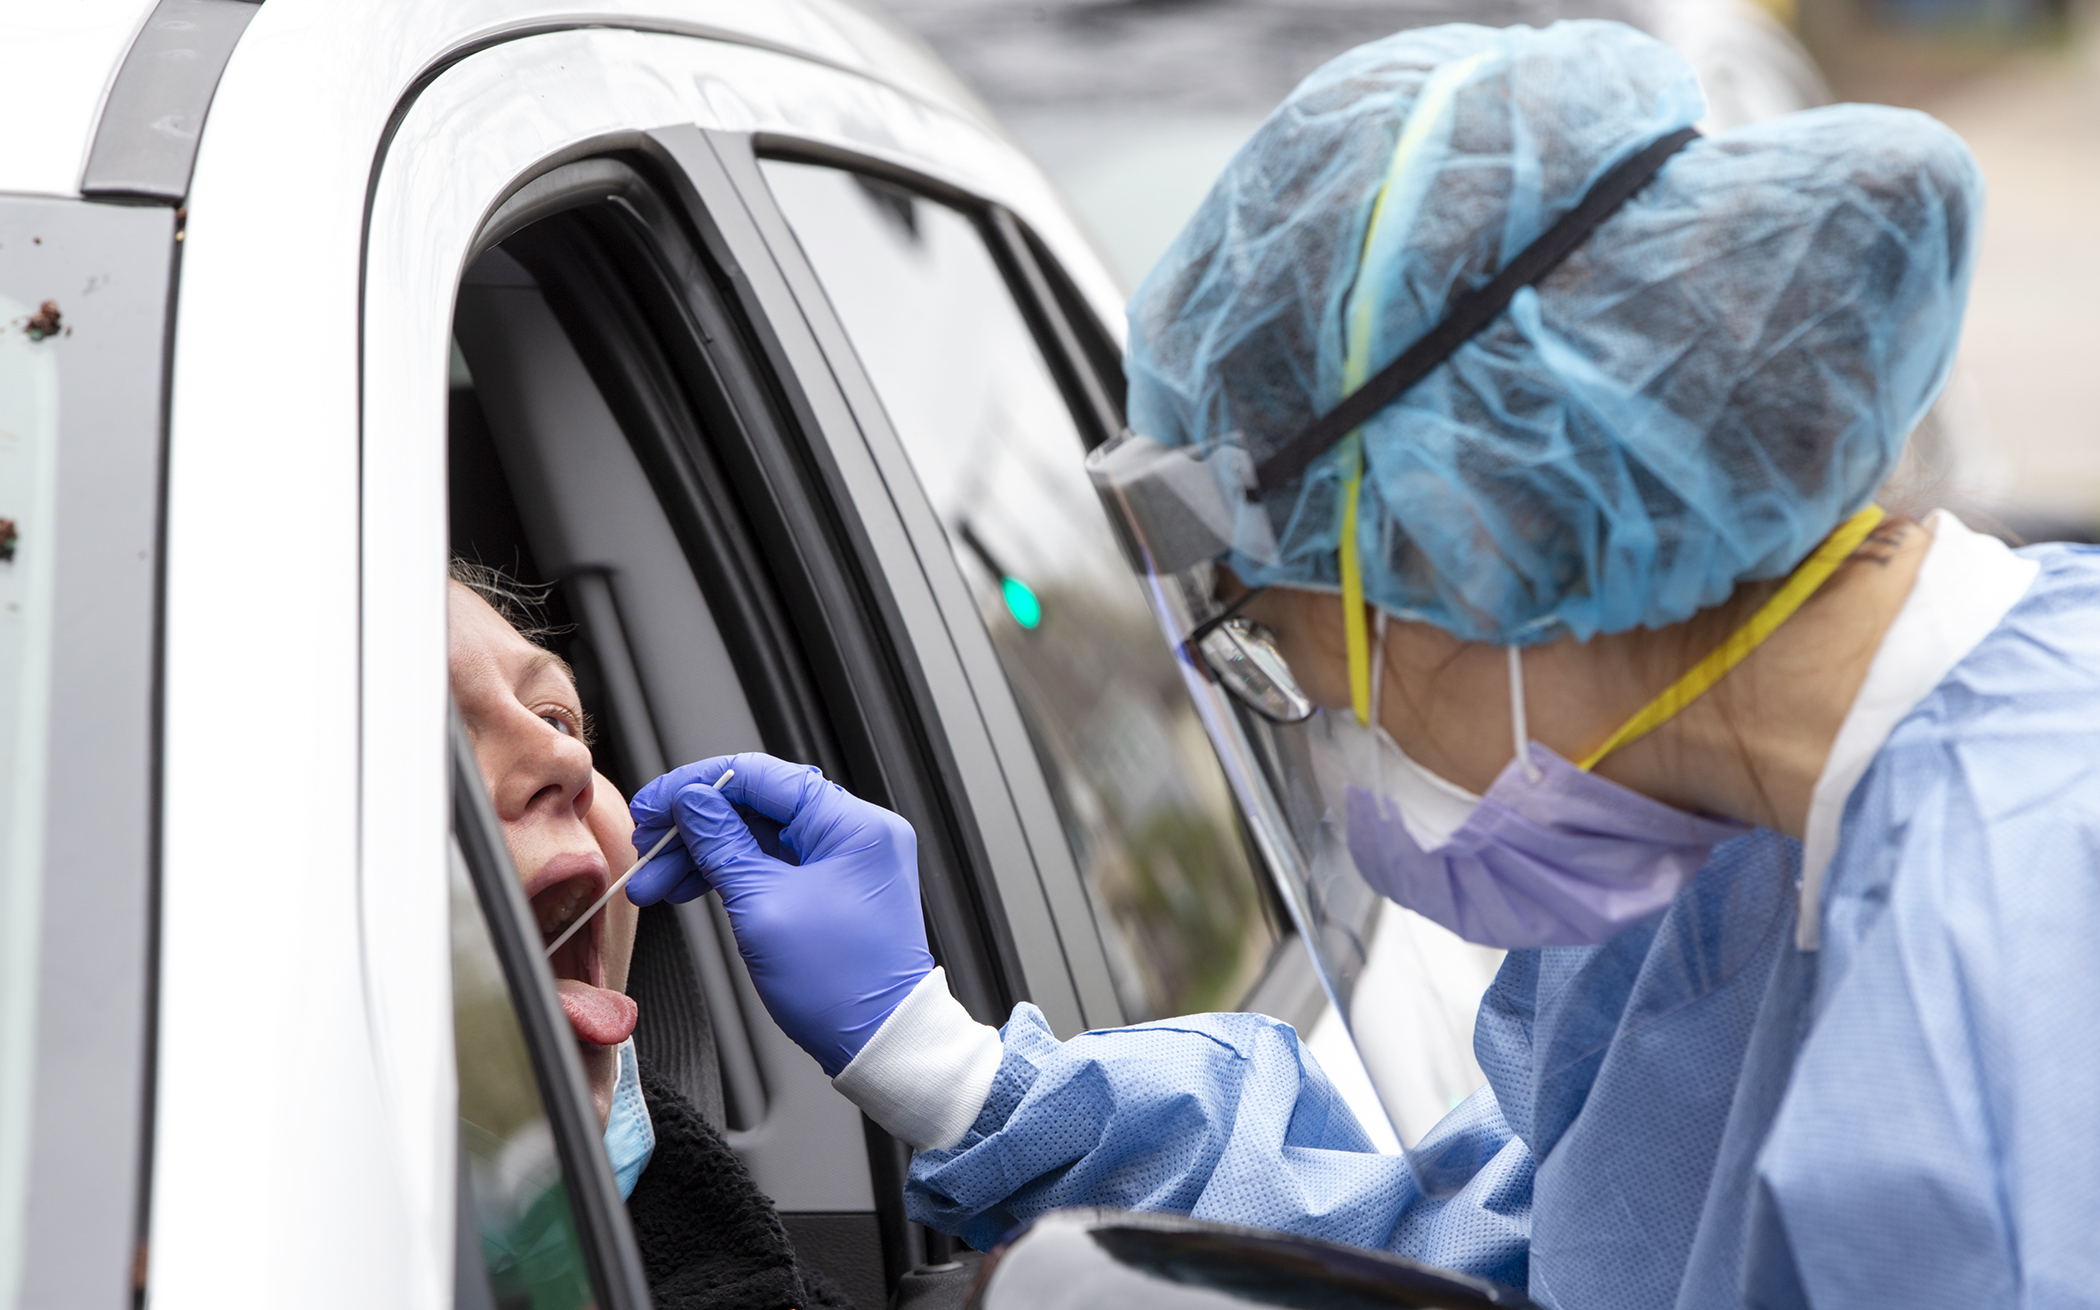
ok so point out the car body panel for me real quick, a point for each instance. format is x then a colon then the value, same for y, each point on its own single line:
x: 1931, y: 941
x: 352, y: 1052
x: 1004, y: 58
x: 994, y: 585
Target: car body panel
x: 80, y: 437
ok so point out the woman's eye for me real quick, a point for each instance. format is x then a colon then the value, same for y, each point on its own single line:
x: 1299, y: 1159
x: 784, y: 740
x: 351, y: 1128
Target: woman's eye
x: 559, y: 724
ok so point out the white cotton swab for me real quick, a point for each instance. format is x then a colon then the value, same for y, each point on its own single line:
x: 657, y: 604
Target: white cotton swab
x: 621, y: 881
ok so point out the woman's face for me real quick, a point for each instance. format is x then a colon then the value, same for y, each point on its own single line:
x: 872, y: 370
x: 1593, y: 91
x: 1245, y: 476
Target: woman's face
x: 567, y: 828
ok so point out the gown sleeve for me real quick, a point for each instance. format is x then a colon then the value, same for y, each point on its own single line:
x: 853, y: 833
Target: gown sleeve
x: 1224, y: 1117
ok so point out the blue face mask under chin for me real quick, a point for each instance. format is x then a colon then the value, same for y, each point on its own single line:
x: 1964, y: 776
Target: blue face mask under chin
x: 630, y: 1138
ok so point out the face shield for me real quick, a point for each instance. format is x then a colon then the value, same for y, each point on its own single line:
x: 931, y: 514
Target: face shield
x: 1406, y: 989
x: 1181, y: 510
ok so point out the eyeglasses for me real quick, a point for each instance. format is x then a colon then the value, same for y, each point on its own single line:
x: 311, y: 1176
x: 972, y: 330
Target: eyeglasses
x: 1241, y: 657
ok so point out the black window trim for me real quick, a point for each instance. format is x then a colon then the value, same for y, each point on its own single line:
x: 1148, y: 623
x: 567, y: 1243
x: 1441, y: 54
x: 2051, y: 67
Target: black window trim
x: 822, y: 643
x: 1086, y: 362
x: 857, y: 603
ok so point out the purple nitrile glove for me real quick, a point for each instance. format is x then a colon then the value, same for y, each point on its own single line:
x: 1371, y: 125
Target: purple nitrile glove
x: 833, y: 933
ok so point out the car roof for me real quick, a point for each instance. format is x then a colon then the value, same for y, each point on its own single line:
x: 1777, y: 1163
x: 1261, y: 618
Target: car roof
x: 59, y: 61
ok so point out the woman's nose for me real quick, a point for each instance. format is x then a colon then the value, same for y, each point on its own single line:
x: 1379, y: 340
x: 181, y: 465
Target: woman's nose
x: 550, y: 771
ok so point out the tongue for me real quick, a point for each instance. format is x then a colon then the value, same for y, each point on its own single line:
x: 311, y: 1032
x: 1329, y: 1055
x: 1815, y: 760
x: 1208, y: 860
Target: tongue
x: 599, y: 1015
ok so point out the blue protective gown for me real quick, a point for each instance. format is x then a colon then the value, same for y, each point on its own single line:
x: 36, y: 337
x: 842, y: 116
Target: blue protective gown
x: 1696, y: 1113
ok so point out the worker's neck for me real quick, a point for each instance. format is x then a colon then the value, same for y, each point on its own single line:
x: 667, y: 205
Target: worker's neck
x: 1754, y: 747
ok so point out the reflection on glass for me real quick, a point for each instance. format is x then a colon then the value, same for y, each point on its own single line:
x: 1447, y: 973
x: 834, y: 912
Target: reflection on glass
x: 1144, y: 804
x: 28, y: 482
x: 520, y: 1200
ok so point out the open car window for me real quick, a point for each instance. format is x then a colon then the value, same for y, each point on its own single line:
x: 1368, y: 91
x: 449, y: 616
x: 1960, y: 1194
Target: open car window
x: 621, y: 437
x: 1144, y: 806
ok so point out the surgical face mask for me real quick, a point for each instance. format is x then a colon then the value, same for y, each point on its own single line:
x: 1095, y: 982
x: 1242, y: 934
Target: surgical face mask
x: 630, y: 1137
x: 1552, y: 855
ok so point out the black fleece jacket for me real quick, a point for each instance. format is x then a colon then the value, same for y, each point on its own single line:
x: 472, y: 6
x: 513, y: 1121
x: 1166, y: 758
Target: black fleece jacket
x: 709, y: 1238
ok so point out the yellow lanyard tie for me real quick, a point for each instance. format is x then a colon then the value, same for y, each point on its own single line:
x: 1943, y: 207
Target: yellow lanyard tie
x: 1803, y: 582
x: 1430, y: 112
x: 1356, y: 636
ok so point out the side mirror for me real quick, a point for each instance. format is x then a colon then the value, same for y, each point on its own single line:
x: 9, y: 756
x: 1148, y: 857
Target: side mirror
x: 1105, y: 1258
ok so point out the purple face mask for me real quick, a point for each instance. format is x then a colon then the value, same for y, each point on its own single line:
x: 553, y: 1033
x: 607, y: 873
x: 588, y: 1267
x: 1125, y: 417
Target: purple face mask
x: 1553, y: 855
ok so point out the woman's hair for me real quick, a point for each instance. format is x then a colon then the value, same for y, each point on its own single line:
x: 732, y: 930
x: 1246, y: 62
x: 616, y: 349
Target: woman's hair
x: 524, y: 608
x: 520, y: 604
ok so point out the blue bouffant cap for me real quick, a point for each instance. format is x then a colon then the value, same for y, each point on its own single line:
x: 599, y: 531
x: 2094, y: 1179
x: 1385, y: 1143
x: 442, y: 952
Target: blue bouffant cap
x: 1718, y: 376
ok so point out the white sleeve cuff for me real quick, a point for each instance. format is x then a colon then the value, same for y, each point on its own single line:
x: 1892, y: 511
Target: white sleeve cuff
x: 925, y: 1073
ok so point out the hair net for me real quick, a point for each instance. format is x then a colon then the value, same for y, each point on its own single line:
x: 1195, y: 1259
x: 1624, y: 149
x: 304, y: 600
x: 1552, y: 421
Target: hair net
x: 1716, y: 378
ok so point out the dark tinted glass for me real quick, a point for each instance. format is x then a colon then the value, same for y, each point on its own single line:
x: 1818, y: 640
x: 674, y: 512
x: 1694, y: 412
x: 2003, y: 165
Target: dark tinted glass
x: 1145, y: 806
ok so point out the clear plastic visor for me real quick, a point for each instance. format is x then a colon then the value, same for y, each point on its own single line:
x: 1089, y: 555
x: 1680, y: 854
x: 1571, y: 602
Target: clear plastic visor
x: 1406, y: 989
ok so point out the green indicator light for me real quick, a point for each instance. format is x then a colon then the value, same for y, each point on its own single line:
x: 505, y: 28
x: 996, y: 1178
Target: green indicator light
x: 1021, y: 602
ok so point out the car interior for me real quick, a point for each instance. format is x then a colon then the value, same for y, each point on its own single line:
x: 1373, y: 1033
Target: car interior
x: 621, y: 435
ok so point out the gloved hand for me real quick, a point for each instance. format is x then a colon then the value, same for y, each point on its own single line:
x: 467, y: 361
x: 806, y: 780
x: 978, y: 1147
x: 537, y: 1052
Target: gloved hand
x: 833, y: 933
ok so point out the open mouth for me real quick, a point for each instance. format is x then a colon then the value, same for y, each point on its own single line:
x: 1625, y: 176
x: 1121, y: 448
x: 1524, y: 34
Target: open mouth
x: 600, y: 1016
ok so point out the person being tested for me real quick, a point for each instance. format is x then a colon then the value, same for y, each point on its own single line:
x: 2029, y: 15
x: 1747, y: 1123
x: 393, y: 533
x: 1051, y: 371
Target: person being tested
x: 1786, y: 809
x: 707, y: 1236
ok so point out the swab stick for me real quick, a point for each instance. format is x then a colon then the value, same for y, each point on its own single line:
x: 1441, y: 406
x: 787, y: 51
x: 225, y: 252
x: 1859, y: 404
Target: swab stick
x: 621, y: 881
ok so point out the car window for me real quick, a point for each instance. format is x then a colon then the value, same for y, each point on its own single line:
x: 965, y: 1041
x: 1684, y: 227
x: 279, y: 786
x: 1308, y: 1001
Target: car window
x: 582, y: 458
x: 514, y: 1192
x: 28, y: 482
x: 1142, y: 800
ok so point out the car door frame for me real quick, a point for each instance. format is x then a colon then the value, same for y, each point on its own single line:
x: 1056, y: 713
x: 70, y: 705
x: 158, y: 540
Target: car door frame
x: 426, y: 241
x: 636, y: 269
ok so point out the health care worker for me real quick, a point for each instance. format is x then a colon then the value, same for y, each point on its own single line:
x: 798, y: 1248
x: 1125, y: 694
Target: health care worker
x: 1534, y: 439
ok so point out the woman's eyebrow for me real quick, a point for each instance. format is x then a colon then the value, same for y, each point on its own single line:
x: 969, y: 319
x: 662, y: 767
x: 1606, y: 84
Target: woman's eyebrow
x: 543, y: 661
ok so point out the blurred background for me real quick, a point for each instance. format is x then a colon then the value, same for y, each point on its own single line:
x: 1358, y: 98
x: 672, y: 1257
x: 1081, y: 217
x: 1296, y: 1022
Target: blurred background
x: 1133, y: 106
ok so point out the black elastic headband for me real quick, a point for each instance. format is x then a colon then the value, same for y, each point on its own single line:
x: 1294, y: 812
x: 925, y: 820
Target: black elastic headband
x: 1474, y: 311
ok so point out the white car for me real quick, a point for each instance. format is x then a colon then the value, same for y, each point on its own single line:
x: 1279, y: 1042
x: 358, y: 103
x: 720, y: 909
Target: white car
x: 778, y: 360
x: 743, y: 327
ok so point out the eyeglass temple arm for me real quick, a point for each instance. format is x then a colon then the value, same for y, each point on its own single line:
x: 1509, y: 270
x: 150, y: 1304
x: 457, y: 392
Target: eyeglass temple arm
x: 1216, y: 621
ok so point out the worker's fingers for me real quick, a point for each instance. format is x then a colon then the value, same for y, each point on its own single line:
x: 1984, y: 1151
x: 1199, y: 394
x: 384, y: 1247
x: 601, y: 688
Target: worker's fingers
x: 651, y: 806
x: 774, y: 787
x: 665, y: 876
x: 722, y: 847
x: 819, y: 817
